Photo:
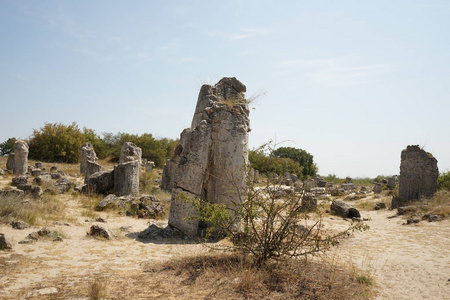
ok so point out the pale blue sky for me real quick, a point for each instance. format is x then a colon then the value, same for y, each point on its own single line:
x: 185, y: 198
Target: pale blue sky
x: 351, y: 82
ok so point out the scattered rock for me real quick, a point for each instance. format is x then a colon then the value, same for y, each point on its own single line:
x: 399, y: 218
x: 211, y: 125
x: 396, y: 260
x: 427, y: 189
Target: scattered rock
x: 4, y: 245
x: 22, y: 179
x: 412, y: 221
x: 431, y: 217
x: 100, y: 231
x: 58, y: 239
x: 155, y: 232
x: 100, y: 220
x: 406, y: 210
x: 19, y: 225
x: 34, y: 190
x: 380, y: 205
x: 62, y: 185
x: 112, y: 200
x: 146, y: 207
x: 12, y: 193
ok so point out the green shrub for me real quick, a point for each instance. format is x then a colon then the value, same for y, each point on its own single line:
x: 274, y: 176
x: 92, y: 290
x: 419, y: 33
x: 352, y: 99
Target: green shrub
x: 303, y: 158
x: 444, y: 181
x: 56, y: 143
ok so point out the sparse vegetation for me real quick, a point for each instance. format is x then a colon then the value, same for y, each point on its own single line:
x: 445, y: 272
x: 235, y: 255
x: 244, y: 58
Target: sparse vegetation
x: 235, y: 277
x: 444, y: 181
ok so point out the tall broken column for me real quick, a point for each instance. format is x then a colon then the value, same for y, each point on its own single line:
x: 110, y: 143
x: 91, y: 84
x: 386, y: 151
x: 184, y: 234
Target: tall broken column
x: 20, y: 158
x: 87, y: 153
x: 88, y: 161
x: 126, y: 174
x: 418, y: 176
x: 209, y: 162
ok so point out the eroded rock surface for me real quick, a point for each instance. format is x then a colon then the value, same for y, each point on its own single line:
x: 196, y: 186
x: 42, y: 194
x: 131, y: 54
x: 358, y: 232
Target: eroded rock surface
x: 20, y: 158
x: 418, y: 176
x: 210, y: 159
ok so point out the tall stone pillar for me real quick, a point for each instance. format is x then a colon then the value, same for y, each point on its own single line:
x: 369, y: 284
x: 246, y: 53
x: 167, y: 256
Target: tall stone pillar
x: 20, y: 158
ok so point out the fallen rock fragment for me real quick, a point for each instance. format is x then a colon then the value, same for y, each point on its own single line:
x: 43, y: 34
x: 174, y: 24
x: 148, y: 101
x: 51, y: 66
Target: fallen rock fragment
x: 344, y: 210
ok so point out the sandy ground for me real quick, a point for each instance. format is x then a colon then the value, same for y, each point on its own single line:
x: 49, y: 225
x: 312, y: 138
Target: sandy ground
x: 407, y: 261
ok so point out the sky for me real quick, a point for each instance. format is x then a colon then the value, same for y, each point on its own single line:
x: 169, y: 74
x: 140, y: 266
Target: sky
x: 351, y: 82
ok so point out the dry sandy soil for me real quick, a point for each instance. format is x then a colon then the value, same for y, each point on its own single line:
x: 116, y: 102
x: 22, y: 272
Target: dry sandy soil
x: 406, y: 261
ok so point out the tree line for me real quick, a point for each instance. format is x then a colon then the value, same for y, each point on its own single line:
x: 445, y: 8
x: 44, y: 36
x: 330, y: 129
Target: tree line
x: 57, y: 142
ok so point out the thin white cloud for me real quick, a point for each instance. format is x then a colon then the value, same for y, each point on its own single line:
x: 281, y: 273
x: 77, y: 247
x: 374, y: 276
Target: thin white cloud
x: 333, y: 72
x: 243, y: 34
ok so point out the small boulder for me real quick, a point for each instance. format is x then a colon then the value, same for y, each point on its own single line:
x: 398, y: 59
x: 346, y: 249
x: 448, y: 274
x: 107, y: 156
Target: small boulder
x: 407, y: 210
x: 100, y: 231
x: 112, y: 200
x: 19, y: 225
x: 34, y: 190
x: 431, y: 217
x: 147, y: 207
x: 4, y: 245
x: 18, y: 180
x: 62, y: 185
x: 380, y: 205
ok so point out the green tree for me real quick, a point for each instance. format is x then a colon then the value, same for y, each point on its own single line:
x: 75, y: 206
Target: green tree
x: 267, y: 163
x: 56, y: 142
x: 300, y: 156
x: 7, y: 146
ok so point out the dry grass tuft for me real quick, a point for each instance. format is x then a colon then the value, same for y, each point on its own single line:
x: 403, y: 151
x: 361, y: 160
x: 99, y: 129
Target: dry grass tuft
x: 97, y: 288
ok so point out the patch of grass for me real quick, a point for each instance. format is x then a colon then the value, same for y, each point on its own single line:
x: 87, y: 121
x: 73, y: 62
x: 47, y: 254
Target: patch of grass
x: 439, y: 204
x: 33, y: 212
x: 363, y: 279
x: 369, y: 204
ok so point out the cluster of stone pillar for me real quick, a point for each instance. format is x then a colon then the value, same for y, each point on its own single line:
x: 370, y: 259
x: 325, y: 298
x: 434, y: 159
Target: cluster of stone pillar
x: 123, y: 180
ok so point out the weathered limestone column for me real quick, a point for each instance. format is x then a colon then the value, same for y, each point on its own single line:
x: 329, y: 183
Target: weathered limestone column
x: 10, y: 162
x: 391, y: 182
x: 126, y: 174
x: 126, y: 179
x: 87, y: 153
x: 209, y: 162
x: 377, y: 189
x: 20, y: 158
x: 418, y: 176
